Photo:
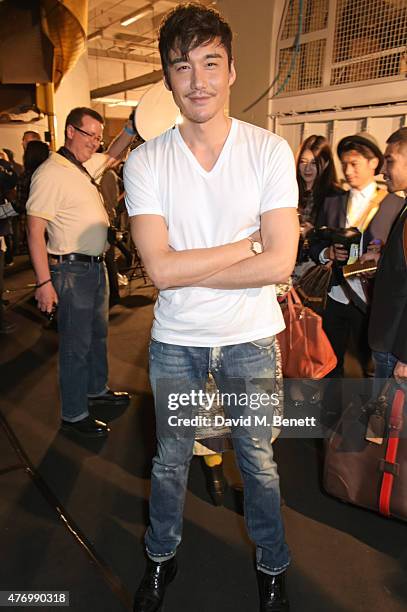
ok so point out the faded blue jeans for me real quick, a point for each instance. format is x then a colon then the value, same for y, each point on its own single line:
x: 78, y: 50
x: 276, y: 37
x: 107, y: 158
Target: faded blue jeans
x: 242, y: 368
x: 83, y: 311
x: 384, y: 366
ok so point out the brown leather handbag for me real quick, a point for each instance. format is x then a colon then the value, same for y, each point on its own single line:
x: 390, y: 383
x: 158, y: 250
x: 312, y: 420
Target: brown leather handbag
x: 366, y: 456
x: 305, y: 349
x: 313, y: 286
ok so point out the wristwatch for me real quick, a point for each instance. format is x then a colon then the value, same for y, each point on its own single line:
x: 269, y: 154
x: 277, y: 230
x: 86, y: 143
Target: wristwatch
x: 255, y: 247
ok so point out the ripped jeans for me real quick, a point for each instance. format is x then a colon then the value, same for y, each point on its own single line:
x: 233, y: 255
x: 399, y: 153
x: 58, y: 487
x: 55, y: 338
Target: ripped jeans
x: 178, y: 375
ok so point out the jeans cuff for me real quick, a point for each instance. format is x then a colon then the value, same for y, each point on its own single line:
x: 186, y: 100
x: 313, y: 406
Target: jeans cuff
x: 159, y: 558
x: 76, y: 418
x: 104, y: 390
x: 272, y: 571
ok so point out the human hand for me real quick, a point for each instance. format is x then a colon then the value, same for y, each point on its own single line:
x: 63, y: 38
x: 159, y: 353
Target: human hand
x: 375, y: 246
x: 305, y: 228
x: 370, y: 256
x: 337, y: 252
x: 46, y: 297
x: 400, y: 372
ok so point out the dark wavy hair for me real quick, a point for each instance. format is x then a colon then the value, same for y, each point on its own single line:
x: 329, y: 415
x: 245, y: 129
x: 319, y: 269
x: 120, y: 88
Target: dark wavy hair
x: 34, y: 155
x: 326, y: 180
x: 187, y: 27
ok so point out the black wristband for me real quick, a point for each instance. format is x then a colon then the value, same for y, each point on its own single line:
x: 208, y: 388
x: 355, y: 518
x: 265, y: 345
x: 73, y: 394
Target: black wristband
x: 38, y: 285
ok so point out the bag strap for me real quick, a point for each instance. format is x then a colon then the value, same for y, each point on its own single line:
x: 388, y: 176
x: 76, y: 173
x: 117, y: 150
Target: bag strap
x: 389, y: 465
x: 294, y: 296
x: 373, y: 208
x: 353, y: 296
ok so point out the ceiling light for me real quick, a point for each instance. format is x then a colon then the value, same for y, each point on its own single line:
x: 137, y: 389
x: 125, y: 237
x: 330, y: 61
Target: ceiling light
x: 136, y: 15
x: 132, y: 103
x: 108, y: 100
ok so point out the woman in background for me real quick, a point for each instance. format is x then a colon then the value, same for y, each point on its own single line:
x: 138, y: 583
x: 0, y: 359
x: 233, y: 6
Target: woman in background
x: 317, y: 178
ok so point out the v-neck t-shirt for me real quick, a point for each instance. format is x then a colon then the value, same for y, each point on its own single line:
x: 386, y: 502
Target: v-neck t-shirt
x: 254, y: 173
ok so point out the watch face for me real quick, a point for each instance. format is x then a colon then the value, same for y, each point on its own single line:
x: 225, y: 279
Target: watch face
x: 257, y: 248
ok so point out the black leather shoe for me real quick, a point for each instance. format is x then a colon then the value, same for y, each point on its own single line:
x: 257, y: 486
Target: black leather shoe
x: 215, y: 483
x: 87, y: 427
x: 272, y: 593
x: 112, y: 398
x: 150, y: 594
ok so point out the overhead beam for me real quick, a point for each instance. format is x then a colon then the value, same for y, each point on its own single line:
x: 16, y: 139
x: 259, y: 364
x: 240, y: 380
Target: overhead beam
x: 127, y: 57
x: 140, y: 81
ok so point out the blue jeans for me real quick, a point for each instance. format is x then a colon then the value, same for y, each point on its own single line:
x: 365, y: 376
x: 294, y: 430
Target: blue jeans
x: 83, y: 311
x: 248, y: 367
x: 384, y: 366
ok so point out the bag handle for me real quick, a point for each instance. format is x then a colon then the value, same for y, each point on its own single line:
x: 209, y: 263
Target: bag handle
x: 292, y: 298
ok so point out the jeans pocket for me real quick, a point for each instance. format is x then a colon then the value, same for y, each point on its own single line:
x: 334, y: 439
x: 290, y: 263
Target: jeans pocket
x: 264, y: 343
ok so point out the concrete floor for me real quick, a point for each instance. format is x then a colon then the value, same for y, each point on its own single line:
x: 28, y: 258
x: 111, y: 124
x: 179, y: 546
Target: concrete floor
x: 345, y: 559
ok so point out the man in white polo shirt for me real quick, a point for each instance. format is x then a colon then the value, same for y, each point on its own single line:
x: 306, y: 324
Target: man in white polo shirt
x: 197, y: 196
x: 66, y: 203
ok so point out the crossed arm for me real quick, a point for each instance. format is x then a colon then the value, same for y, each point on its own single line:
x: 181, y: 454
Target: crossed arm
x: 230, y: 266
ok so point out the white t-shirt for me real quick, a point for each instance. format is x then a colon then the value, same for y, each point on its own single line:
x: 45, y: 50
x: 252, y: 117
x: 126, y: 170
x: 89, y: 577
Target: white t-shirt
x: 63, y: 195
x: 254, y: 173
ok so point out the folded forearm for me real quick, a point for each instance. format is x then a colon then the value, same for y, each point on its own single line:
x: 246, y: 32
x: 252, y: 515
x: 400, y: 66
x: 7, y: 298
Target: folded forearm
x: 190, y: 267
x: 259, y: 271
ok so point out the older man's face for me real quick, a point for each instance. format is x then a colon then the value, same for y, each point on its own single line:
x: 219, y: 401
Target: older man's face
x: 395, y: 167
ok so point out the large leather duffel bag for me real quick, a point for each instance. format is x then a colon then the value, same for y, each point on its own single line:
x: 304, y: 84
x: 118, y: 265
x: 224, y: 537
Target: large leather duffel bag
x: 366, y: 456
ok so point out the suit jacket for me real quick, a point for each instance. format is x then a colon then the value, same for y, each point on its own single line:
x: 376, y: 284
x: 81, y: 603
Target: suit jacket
x: 388, y: 319
x: 333, y: 214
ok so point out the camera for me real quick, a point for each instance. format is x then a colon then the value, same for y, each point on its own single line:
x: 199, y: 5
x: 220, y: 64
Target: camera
x: 345, y: 236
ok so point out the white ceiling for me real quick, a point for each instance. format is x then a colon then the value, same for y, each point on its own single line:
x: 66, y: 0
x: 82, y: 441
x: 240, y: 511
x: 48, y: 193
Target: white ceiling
x: 135, y: 42
x: 118, y: 53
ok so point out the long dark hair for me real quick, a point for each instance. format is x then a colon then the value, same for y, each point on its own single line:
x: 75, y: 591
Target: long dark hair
x: 326, y: 180
x: 34, y: 155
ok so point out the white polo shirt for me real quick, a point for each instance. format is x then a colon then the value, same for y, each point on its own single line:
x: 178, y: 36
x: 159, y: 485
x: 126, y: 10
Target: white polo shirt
x: 254, y: 173
x: 63, y: 195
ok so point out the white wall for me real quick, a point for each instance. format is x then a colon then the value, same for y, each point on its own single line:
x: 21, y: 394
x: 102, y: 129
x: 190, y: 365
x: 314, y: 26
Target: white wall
x: 12, y: 135
x: 73, y: 91
x: 252, y: 25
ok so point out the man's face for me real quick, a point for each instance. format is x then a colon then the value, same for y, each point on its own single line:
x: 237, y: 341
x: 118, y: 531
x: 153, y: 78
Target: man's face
x: 28, y: 138
x: 395, y: 167
x: 200, y: 85
x: 358, y: 170
x: 84, y: 140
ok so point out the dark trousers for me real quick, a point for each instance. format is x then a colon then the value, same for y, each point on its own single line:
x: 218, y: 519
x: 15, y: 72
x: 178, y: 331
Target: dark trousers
x: 340, y: 321
x: 2, y: 259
